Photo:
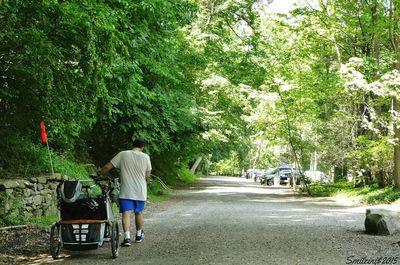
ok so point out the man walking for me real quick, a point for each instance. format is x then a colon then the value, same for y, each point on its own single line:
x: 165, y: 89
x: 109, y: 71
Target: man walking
x: 135, y: 169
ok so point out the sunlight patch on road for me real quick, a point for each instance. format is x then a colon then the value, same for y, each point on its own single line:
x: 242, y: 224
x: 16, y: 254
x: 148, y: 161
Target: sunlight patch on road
x: 187, y: 215
x: 249, y: 190
x: 291, y: 210
x: 286, y: 217
x: 223, y: 179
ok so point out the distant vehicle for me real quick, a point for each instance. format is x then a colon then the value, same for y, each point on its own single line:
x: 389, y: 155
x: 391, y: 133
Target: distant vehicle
x: 258, y: 173
x: 284, y: 172
x: 254, y: 173
x: 296, y: 176
x: 316, y: 176
x: 249, y: 173
x: 268, y: 177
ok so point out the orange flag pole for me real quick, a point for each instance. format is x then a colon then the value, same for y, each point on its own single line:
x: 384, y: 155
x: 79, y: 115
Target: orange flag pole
x: 46, y: 140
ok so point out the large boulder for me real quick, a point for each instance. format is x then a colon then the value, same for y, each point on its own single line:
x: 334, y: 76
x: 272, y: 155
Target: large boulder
x: 381, y: 222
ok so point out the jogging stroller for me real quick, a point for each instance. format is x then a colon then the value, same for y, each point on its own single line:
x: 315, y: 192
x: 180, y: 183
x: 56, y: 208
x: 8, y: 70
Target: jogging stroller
x: 86, y: 219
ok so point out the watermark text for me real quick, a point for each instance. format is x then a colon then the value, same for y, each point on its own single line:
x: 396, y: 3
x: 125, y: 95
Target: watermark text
x: 369, y: 260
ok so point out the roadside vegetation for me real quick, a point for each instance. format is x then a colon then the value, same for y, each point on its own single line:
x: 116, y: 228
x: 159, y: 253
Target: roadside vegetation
x: 368, y: 194
x: 227, y: 83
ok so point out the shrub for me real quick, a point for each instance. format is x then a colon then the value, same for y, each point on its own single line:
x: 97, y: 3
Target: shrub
x: 186, y: 176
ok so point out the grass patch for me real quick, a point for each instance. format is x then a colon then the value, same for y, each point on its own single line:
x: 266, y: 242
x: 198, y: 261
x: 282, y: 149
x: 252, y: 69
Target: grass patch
x: 154, y: 198
x: 43, y: 220
x: 158, y: 193
x: 69, y: 167
x: 370, y: 194
x: 186, y: 176
x: 329, y: 189
x: 385, y: 195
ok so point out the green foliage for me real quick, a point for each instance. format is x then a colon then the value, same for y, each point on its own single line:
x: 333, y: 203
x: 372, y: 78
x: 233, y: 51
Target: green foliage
x: 27, y: 159
x: 330, y: 189
x: 186, y: 176
x: 370, y: 194
x: 386, y: 195
x: 373, y: 155
x: 156, y: 193
x: 69, y: 167
x: 227, y: 167
x: 97, y: 74
x: 157, y: 197
x: 221, y: 80
x: 44, y: 221
x: 12, y: 216
x: 21, y: 157
x: 155, y: 188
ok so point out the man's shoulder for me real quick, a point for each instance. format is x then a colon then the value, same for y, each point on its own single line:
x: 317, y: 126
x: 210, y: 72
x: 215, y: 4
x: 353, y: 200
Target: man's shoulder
x: 124, y: 152
x: 130, y: 153
x: 142, y: 154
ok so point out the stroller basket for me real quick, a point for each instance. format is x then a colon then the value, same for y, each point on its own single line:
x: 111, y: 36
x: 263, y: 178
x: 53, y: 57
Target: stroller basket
x: 84, y: 208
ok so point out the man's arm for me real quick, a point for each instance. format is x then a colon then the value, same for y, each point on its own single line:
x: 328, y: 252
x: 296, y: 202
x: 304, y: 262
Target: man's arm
x: 106, y: 168
x: 147, y: 174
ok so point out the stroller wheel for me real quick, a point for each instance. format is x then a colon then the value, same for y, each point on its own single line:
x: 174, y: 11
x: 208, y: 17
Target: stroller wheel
x: 55, y: 241
x: 114, y: 239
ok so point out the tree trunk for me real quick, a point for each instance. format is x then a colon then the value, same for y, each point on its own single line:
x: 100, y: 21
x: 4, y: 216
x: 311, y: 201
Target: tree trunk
x: 396, y: 157
x: 380, y: 176
x: 394, y: 35
x: 257, y: 154
x: 196, y: 164
x: 314, y: 161
x: 375, y: 37
x: 332, y: 175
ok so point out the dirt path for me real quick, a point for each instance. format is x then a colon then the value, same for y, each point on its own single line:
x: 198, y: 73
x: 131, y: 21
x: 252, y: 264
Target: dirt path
x: 223, y: 220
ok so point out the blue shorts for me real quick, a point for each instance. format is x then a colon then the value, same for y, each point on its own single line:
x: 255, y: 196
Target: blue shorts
x: 131, y: 205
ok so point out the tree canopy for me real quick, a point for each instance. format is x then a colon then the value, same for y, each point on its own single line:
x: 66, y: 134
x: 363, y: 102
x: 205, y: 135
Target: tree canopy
x: 225, y: 80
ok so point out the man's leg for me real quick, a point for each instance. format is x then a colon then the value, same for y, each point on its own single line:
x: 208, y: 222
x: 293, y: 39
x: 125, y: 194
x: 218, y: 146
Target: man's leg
x: 126, y: 221
x: 126, y: 225
x: 139, y: 221
x: 126, y: 208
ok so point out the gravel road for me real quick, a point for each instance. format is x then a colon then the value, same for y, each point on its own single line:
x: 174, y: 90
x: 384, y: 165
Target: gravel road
x: 225, y: 220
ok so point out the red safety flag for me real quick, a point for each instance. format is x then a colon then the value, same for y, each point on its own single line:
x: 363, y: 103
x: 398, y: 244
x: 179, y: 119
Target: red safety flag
x: 44, y: 136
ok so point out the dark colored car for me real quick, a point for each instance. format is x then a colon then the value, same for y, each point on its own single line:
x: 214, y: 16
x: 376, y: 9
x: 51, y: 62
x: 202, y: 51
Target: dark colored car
x: 268, y: 177
x: 258, y: 173
x: 284, y: 172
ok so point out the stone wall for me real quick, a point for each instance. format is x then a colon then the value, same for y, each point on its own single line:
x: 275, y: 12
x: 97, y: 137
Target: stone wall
x: 32, y: 197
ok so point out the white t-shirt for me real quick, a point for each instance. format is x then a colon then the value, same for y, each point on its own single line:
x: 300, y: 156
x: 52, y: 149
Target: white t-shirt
x: 133, y: 166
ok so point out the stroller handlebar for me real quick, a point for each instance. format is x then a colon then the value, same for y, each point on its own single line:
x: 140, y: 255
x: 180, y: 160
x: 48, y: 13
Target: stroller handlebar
x: 104, y: 182
x: 101, y: 178
x: 93, y: 178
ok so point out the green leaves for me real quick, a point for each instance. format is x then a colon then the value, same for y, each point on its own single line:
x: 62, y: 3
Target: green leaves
x: 200, y: 77
x: 98, y: 73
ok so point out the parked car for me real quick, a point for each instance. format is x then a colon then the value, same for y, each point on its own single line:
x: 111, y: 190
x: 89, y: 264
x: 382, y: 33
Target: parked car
x: 316, y: 176
x: 258, y: 173
x: 249, y: 173
x: 254, y: 173
x: 268, y: 177
x: 296, y: 176
x: 284, y: 172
